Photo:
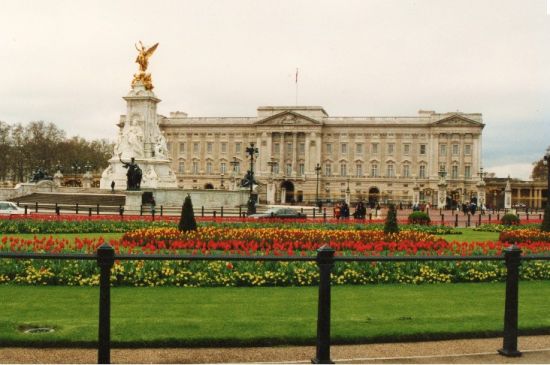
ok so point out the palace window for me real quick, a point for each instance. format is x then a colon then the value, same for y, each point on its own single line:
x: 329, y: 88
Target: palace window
x: 301, y: 169
x: 359, y: 148
x: 328, y: 169
x: 422, y: 171
x: 276, y: 168
x: 276, y: 148
x: 467, y: 171
x: 455, y: 149
x: 302, y: 148
x: 406, y: 148
x: 222, y: 168
x: 224, y: 147
x: 406, y: 170
x: 454, y: 172
x: 359, y: 170
x: 391, y: 148
x: 182, y: 148
x: 237, y: 168
x: 344, y: 148
x: 195, y: 167
x: 374, y: 148
x: 390, y: 170
x: 328, y: 147
x: 209, y: 147
x: 343, y: 169
x: 442, y: 167
x: 422, y: 149
x: 209, y: 167
x: 374, y: 170
x: 289, y: 148
x: 442, y: 150
x: 467, y: 149
x: 237, y: 147
x: 181, y: 167
x: 196, y: 147
x: 288, y: 169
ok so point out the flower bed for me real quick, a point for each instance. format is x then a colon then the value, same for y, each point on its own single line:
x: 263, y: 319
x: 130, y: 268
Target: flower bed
x: 264, y: 240
x: 524, y: 235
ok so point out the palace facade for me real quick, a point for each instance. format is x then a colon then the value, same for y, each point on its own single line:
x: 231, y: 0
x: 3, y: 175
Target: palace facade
x: 304, y: 153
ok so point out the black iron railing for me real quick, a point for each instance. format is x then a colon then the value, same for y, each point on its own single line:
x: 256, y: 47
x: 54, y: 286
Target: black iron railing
x: 325, y: 260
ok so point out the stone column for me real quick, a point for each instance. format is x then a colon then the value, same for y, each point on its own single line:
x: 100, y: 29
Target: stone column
x: 442, y: 194
x: 508, y: 195
x: 283, y: 195
x: 294, y: 154
x: 282, y: 148
x: 270, y: 191
x: 269, y: 150
x: 308, y: 169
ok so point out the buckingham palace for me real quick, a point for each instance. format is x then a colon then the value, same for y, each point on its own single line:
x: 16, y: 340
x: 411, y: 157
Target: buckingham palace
x: 305, y: 154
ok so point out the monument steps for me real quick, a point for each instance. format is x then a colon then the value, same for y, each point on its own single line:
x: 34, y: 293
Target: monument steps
x: 47, y: 200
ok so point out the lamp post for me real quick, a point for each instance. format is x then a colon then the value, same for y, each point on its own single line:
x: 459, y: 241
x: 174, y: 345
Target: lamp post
x: 317, y: 202
x: 545, y: 226
x: 251, y: 151
x: 76, y: 168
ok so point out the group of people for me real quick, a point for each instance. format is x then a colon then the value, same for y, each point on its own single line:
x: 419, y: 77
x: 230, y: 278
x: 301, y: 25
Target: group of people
x: 342, y: 211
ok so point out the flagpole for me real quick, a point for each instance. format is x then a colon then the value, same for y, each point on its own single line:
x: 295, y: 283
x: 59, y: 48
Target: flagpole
x: 296, y: 87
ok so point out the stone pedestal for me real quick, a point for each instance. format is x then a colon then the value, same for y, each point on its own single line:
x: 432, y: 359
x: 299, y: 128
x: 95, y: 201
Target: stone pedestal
x: 58, y: 179
x: 271, y: 192
x: 133, y: 202
x: 416, y: 195
x: 442, y: 195
x: 508, y: 195
x: 481, y: 200
x: 283, y: 195
x: 348, y: 197
x: 87, y: 180
x: 140, y: 138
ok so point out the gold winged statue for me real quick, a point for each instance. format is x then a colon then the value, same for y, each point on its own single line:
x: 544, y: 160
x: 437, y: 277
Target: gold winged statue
x: 143, y: 61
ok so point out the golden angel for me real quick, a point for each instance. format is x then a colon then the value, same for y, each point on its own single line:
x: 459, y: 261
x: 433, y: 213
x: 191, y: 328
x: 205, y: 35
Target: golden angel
x: 144, y: 55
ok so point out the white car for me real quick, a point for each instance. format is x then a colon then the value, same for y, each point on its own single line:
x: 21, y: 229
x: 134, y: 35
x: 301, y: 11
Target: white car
x: 10, y: 208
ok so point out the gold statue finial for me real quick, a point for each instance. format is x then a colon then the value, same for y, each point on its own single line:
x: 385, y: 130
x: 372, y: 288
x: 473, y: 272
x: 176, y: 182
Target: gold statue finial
x: 143, y: 61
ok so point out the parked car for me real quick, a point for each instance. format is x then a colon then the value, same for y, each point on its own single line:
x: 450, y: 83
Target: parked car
x: 10, y: 208
x: 279, y: 213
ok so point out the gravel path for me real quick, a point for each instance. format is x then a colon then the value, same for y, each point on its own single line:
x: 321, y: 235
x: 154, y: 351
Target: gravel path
x: 536, y: 349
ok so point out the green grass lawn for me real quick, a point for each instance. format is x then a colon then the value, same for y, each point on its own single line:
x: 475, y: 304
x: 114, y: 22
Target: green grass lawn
x: 469, y: 235
x: 170, y: 316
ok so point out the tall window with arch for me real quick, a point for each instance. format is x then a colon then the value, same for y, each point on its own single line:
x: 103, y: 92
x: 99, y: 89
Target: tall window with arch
x: 374, y: 170
x: 343, y: 169
x: 422, y: 171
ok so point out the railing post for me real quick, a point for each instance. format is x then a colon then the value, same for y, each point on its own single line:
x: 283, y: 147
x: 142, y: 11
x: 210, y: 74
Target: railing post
x: 90, y: 212
x: 442, y: 218
x: 141, y: 209
x: 468, y: 220
x: 36, y: 207
x: 97, y: 209
x: 105, y: 260
x: 221, y: 212
x: 456, y: 220
x: 76, y: 208
x: 26, y: 209
x: 161, y: 210
x: 202, y: 211
x: 313, y: 211
x: 512, y: 256
x: 325, y: 261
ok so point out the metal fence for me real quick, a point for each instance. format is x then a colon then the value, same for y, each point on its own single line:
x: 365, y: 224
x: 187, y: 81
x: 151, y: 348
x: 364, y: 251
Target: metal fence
x: 325, y: 259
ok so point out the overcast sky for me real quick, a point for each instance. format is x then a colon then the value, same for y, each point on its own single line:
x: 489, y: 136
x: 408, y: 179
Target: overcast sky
x: 70, y: 62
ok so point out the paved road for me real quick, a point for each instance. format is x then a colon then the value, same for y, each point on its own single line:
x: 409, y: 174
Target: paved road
x: 536, y: 350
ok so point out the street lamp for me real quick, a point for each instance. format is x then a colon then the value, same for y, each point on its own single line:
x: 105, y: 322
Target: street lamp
x: 76, y: 169
x: 317, y: 202
x: 545, y: 226
x: 251, y: 151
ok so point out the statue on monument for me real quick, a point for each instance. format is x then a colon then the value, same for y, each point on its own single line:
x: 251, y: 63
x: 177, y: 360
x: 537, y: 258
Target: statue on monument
x: 143, y: 61
x: 133, y: 174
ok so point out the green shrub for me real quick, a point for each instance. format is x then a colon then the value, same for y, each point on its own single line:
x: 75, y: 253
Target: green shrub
x: 391, y: 221
x: 509, y: 219
x: 187, y: 220
x: 545, y: 226
x: 419, y: 218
